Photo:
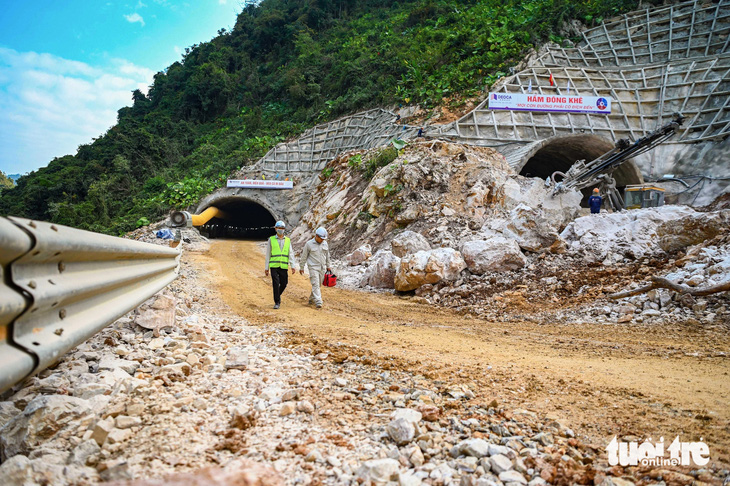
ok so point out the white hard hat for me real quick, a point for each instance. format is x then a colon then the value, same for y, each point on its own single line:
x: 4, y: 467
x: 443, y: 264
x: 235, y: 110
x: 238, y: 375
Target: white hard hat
x: 280, y: 224
x: 321, y: 232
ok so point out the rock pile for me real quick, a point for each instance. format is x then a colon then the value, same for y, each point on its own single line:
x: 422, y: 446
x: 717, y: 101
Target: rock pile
x: 420, y: 213
x: 458, y: 227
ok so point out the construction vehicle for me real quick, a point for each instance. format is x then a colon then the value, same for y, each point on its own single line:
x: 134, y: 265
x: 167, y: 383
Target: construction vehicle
x: 643, y: 196
x: 599, y: 171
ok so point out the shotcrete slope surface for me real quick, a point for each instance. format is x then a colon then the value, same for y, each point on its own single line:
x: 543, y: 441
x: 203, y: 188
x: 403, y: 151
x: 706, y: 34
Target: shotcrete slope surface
x: 603, y: 379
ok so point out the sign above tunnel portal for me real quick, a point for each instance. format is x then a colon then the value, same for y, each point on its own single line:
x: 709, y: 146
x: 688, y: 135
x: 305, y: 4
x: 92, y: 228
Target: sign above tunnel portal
x: 260, y: 184
x: 550, y: 103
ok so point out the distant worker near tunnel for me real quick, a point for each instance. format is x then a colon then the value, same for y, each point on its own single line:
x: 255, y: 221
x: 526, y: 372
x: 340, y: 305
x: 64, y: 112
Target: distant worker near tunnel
x: 279, y: 258
x: 316, y: 255
x: 595, y: 202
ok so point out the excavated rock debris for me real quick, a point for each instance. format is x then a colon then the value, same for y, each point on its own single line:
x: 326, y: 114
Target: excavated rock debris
x: 440, y: 204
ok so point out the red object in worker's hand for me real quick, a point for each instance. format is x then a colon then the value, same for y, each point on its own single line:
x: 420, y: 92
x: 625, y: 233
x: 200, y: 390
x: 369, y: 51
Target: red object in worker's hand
x: 330, y: 279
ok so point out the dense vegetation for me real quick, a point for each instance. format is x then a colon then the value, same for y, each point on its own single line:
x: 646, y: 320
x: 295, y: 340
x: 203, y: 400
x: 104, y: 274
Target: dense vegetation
x: 5, y: 182
x: 285, y: 66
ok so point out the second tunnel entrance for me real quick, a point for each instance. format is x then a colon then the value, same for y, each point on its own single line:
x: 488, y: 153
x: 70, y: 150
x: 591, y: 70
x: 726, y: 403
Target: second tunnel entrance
x: 560, y: 153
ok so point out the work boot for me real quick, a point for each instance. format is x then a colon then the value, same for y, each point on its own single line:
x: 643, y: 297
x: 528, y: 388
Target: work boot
x: 276, y: 306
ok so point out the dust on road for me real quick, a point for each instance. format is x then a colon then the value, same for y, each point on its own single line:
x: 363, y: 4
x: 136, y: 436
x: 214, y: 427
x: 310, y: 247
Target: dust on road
x: 625, y: 379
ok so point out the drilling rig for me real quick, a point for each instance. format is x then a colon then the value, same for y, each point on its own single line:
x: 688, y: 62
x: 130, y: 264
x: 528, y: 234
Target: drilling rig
x: 599, y: 171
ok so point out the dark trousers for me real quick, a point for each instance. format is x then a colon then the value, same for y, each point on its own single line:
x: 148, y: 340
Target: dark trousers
x: 279, y: 279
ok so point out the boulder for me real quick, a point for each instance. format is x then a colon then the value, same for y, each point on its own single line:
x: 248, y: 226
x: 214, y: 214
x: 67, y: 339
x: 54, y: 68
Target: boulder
x: 629, y: 233
x: 530, y: 228
x: 360, y: 255
x: 676, y: 235
x: 409, y: 242
x: 429, y: 267
x: 42, y: 418
x: 533, y: 193
x: 382, y: 270
x: 497, y: 254
x: 408, y: 215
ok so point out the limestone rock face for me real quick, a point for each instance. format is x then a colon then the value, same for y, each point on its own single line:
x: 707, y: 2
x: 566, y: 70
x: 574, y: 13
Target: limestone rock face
x: 428, y: 267
x: 535, y: 217
x: 382, y: 270
x: 629, y: 233
x: 409, y: 242
x: 692, y: 230
x: 497, y: 254
x: 41, y: 419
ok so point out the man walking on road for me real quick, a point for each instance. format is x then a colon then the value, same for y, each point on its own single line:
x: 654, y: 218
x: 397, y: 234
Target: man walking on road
x: 316, y: 255
x: 279, y: 257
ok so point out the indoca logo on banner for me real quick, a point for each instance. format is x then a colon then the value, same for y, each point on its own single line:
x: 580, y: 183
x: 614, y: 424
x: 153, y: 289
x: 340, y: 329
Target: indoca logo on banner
x: 550, y: 103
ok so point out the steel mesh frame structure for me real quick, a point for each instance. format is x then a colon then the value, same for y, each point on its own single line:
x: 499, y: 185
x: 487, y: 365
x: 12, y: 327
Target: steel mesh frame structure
x: 322, y: 143
x: 652, y: 63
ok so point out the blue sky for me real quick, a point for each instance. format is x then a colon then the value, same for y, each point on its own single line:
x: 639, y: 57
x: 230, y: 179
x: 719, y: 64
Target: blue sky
x: 66, y: 67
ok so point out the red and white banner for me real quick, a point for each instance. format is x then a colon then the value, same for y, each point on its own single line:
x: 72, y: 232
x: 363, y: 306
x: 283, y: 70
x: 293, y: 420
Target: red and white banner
x: 260, y: 184
x: 550, y: 103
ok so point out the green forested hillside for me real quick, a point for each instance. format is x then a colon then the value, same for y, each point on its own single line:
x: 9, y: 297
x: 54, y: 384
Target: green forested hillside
x: 285, y: 66
x: 5, y: 182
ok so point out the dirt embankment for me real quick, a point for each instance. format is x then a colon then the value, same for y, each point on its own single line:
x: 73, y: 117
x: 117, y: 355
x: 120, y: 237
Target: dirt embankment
x: 631, y: 380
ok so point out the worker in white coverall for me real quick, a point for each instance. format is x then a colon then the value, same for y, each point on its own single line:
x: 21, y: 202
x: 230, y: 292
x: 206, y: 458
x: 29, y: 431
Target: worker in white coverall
x: 316, y: 255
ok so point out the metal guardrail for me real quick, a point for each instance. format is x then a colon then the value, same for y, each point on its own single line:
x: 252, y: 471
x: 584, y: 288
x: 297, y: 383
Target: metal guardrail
x: 60, y: 285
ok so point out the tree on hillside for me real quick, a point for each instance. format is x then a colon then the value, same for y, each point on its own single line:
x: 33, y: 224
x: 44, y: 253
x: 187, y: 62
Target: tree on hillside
x: 5, y: 181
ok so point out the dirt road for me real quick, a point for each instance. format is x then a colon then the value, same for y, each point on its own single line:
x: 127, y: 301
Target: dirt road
x: 626, y: 379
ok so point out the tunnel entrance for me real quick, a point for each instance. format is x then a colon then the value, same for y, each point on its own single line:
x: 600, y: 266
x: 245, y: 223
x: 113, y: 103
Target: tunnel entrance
x: 244, y: 219
x: 560, y: 153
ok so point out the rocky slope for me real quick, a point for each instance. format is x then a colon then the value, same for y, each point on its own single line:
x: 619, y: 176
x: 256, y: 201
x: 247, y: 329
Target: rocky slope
x: 456, y: 225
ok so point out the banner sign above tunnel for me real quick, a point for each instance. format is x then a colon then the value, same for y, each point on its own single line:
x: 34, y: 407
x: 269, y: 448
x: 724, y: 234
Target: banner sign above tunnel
x: 551, y: 103
x: 260, y: 184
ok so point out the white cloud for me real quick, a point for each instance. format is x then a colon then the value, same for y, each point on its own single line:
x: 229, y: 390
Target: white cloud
x: 51, y: 105
x: 135, y: 17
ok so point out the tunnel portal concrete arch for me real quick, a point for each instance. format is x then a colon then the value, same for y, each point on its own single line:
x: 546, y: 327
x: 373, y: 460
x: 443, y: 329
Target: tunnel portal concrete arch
x: 560, y: 153
x: 245, y: 218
